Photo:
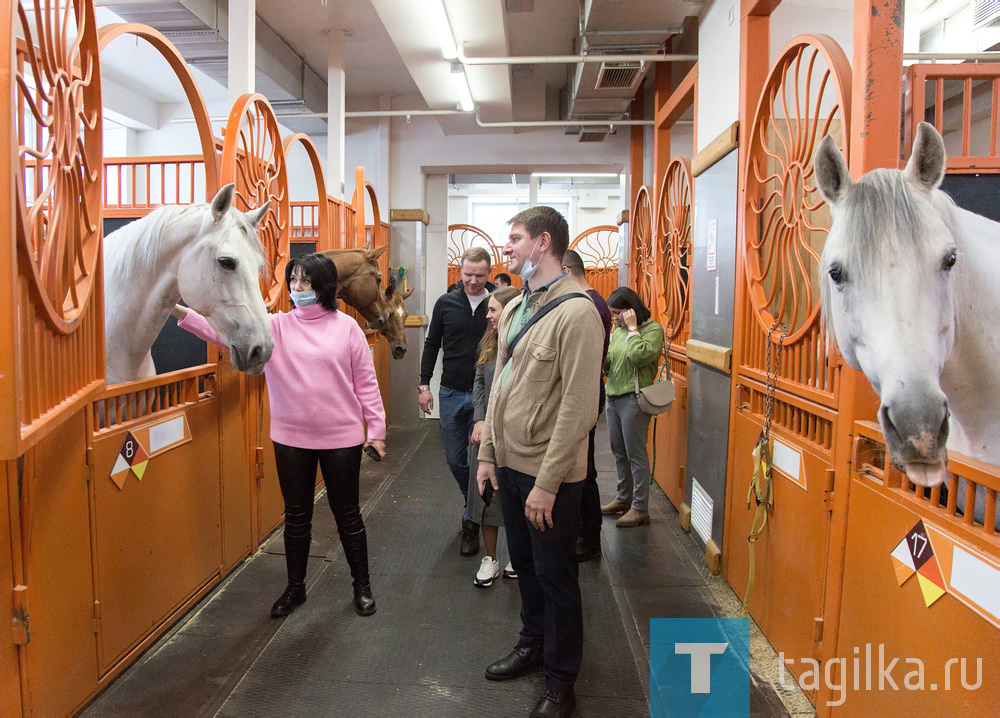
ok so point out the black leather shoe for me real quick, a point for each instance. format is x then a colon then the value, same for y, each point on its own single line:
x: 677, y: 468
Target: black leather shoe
x: 294, y: 595
x: 555, y: 703
x: 364, y: 603
x: 586, y: 551
x: 521, y: 660
x: 470, y: 538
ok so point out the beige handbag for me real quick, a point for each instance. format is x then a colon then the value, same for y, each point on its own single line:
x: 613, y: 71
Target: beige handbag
x: 658, y: 396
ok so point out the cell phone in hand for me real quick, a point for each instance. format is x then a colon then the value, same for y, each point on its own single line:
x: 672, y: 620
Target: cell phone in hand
x: 373, y: 453
x: 488, y: 492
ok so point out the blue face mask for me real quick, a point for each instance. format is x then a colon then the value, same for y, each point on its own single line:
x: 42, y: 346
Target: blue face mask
x: 304, y: 299
x: 529, y: 267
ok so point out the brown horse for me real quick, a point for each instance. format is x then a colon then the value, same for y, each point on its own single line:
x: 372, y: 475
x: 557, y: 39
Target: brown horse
x: 359, y: 283
x: 395, y: 327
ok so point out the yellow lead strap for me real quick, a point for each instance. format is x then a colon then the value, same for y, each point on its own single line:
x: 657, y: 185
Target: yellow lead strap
x: 761, y: 490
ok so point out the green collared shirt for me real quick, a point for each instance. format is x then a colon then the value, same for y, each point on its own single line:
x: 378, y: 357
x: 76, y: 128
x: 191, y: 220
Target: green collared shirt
x: 632, y: 355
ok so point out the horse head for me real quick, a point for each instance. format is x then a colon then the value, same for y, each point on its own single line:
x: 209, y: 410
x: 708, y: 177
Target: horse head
x: 888, y: 293
x: 219, y: 277
x: 395, y: 327
x: 359, y: 283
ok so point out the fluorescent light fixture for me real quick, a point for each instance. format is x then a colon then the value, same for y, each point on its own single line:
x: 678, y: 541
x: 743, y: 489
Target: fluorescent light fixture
x: 575, y: 174
x: 442, y: 28
x: 462, y: 87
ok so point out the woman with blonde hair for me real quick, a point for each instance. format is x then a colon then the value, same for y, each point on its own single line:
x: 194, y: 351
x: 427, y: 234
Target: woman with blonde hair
x: 489, y: 517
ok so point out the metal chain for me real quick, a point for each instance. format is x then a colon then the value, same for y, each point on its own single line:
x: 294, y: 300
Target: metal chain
x: 771, y: 377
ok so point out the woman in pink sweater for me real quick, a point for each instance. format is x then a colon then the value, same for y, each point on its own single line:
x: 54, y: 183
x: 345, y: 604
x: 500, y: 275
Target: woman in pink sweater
x: 322, y: 389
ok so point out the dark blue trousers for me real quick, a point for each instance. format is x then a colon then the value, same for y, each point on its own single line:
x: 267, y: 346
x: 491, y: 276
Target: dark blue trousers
x: 545, y: 561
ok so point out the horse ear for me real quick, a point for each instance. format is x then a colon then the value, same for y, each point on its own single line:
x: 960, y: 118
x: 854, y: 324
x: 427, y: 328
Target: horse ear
x: 927, y: 160
x: 255, y: 216
x: 223, y: 201
x: 832, y: 176
x: 389, y: 291
x: 406, y: 294
x: 375, y: 253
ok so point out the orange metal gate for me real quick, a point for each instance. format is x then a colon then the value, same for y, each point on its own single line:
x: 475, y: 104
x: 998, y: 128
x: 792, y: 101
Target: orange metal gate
x: 598, y: 248
x: 804, y: 97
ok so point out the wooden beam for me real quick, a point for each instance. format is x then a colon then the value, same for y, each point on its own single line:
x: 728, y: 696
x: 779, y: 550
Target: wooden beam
x: 727, y: 141
x: 623, y: 217
x: 409, y: 215
x: 415, y: 320
x: 711, y: 355
x: 679, y: 102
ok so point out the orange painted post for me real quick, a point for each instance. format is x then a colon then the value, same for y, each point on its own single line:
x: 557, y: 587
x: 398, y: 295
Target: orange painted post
x: 661, y: 130
x: 636, y: 140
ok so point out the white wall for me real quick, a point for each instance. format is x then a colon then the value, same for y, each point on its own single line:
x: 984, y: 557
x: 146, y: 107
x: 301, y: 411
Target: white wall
x: 718, y: 70
x: 812, y: 17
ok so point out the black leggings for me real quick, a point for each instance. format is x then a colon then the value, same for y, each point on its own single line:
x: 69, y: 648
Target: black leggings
x: 297, y: 476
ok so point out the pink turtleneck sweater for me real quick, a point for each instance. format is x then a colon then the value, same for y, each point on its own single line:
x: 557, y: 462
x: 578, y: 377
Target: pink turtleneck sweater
x: 320, y: 378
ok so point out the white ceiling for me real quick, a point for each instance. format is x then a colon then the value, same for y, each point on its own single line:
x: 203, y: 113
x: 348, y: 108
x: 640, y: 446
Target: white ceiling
x: 391, y: 49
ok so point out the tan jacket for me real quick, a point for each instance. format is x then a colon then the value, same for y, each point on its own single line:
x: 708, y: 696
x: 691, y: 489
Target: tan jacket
x: 538, y: 418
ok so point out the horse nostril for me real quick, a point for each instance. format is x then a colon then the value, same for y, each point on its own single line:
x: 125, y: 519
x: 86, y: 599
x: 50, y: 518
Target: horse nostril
x: 256, y: 353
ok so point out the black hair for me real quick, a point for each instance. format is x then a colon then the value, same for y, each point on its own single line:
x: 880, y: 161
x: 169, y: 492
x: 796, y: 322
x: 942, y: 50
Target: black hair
x: 503, y: 276
x: 626, y: 298
x: 322, y: 274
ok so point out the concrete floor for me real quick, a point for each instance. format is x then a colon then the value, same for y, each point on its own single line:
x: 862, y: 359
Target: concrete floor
x: 424, y: 651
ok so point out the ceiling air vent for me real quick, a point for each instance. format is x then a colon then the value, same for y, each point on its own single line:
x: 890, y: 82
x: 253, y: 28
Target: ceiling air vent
x: 985, y: 13
x: 622, y: 75
x: 593, y: 135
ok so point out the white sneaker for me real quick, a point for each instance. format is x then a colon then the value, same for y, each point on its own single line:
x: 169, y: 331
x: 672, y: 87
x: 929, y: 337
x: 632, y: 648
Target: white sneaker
x: 489, y: 569
x: 509, y: 572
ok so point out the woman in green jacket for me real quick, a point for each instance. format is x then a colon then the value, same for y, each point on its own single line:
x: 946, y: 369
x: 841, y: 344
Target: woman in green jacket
x: 632, y: 363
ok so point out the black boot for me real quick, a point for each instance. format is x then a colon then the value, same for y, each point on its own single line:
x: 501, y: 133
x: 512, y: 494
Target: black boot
x: 294, y: 595
x: 297, y: 541
x: 356, y: 551
x: 470, y: 538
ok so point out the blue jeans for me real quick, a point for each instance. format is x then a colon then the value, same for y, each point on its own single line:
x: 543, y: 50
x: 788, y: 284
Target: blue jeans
x: 457, y: 419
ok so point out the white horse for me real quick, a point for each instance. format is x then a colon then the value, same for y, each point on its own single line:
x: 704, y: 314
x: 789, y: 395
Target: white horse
x: 206, y: 255
x: 911, y: 291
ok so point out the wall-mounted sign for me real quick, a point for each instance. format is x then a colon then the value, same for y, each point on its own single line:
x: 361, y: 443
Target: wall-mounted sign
x: 145, y: 443
x: 713, y: 245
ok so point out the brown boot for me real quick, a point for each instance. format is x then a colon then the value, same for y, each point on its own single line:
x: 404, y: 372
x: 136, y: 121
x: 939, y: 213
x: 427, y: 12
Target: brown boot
x: 615, y: 507
x: 634, y: 517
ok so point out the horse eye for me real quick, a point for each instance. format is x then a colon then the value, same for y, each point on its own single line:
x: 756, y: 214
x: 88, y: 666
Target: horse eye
x: 227, y: 263
x: 837, y: 274
x: 950, y: 260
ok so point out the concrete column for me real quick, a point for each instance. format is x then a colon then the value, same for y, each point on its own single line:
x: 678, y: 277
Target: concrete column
x: 532, y: 191
x: 242, y: 48
x: 436, y: 256
x: 381, y: 179
x: 335, y: 117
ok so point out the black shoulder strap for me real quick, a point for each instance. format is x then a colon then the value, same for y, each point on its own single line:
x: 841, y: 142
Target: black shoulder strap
x: 549, y: 306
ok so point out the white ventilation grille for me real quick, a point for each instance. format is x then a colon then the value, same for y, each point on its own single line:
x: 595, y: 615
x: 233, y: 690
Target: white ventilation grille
x: 621, y: 75
x: 985, y: 13
x: 592, y: 135
x: 702, y: 507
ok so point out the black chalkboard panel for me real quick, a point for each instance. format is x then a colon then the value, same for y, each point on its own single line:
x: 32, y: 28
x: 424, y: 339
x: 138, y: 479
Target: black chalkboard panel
x: 978, y: 193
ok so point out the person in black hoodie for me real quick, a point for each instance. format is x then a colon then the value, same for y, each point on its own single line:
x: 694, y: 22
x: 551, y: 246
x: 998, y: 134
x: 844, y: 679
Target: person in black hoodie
x: 458, y: 322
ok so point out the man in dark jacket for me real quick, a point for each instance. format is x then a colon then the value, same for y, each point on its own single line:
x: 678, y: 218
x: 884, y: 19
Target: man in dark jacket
x: 458, y: 322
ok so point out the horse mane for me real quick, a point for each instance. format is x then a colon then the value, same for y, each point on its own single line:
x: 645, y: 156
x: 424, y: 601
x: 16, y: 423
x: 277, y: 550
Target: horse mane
x: 883, y: 216
x: 138, y: 242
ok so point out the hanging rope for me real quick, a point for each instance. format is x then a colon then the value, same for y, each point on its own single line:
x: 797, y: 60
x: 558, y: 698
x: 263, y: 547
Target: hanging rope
x: 761, y: 487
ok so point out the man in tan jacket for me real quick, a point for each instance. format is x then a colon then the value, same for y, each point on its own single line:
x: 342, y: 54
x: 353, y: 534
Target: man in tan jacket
x: 534, y: 450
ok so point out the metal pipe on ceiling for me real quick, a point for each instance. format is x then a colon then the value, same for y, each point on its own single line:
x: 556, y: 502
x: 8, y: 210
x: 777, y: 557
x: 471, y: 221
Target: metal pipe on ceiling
x: 571, y: 59
x: 567, y: 123
x: 932, y: 56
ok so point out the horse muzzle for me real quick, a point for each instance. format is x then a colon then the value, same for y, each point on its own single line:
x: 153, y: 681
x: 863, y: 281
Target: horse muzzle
x: 398, y: 350
x: 252, y: 358
x: 916, y: 431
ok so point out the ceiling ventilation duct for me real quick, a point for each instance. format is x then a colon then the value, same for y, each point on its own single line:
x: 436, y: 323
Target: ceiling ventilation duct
x: 619, y: 75
x: 593, y: 135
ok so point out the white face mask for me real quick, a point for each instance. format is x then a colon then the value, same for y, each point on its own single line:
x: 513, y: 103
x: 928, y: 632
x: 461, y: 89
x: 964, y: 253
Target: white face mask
x: 529, y: 267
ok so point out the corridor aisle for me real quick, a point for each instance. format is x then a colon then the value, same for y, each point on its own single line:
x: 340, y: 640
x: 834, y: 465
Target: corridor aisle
x: 424, y: 651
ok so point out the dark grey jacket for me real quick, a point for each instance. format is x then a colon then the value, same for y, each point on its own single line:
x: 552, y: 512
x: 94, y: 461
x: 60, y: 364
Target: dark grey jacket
x: 482, y: 385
